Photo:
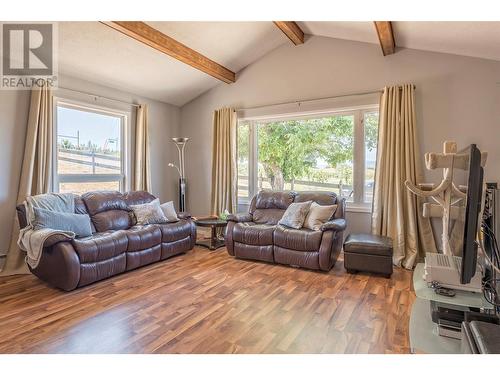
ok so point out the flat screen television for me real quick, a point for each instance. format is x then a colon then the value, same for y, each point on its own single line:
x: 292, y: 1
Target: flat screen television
x: 472, y: 211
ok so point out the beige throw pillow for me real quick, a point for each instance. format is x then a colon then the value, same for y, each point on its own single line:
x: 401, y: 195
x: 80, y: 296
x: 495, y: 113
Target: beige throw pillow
x: 295, y: 215
x: 318, y: 215
x: 169, y: 211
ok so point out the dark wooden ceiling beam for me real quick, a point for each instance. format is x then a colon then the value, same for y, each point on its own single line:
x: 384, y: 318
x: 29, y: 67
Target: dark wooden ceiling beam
x: 291, y: 30
x: 150, y: 36
x: 385, y: 36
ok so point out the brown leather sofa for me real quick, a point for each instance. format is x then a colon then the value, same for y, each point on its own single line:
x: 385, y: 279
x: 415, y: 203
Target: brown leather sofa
x: 116, y: 246
x: 256, y: 235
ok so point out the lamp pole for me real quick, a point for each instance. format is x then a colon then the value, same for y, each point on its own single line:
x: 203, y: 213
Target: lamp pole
x: 181, y: 144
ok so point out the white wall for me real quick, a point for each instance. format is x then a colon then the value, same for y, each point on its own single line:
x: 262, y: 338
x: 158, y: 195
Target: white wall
x: 164, y: 121
x: 458, y: 98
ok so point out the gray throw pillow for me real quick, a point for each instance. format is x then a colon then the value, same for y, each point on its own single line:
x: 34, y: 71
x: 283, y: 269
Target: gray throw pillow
x: 76, y: 223
x: 149, y: 213
x: 169, y: 211
x: 295, y: 215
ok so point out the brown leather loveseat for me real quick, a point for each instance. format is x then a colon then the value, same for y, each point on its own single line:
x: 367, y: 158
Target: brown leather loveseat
x: 257, y: 235
x: 116, y: 246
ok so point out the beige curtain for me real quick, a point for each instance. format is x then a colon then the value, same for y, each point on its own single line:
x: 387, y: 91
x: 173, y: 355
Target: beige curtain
x: 36, y: 169
x: 142, y: 164
x: 396, y: 212
x: 224, y: 162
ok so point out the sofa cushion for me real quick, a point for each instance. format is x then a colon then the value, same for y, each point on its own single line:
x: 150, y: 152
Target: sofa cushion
x: 169, y: 249
x: 100, y: 201
x: 107, y: 210
x: 95, y: 271
x: 80, y: 207
x: 138, y: 197
x: 100, y: 246
x: 274, y: 199
x: 172, y: 232
x: 297, y: 239
x: 143, y: 237
x: 305, y: 259
x: 263, y: 252
x: 253, y: 234
x: 112, y: 220
x: 269, y: 216
x: 136, y: 259
x: 324, y: 198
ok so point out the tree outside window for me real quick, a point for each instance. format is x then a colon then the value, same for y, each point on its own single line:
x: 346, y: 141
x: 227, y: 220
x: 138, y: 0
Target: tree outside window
x: 309, y: 154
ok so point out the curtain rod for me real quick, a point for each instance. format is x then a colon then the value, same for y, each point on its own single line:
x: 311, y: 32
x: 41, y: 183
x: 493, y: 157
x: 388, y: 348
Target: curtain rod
x: 312, y: 100
x: 100, y: 97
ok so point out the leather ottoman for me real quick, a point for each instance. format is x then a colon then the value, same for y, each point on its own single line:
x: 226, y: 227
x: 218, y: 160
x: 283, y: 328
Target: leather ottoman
x: 369, y: 253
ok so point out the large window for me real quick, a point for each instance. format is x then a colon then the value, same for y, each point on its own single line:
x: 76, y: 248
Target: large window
x: 334, y: 152
x: 90, y: 149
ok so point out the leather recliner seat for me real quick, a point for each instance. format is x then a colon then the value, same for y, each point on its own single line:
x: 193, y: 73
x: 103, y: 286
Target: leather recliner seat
x: 257, y: 235
x: 117, y: 244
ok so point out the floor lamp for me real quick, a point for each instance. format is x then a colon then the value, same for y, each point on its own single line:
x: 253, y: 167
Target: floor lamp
x: 181, y: 143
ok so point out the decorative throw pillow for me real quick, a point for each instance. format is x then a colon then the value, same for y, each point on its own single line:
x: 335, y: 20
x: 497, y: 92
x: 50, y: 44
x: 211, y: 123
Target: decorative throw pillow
x: 318, y: 215
x: 169, y: 211
x: 149, y: 213
x: 295, y: 215
x: 76, y: 223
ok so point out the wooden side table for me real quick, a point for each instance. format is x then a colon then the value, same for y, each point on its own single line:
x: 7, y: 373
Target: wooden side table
x: 214, y: 242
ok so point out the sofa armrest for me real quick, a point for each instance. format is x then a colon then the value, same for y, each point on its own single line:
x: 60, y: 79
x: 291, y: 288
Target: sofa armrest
x: 240, y: 218
x: 337, y: 225
x: 59, y: 266
x: 21, y: 216
x: 55, y: 238
x: 183, y: 215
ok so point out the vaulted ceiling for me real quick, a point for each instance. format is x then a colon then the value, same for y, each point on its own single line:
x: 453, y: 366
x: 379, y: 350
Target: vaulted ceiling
x: 475, y: 39
x: 98, y: 53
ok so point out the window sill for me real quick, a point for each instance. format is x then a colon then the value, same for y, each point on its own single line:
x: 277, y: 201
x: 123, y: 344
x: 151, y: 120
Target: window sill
x: 359, y: 208
x: 365, y: 209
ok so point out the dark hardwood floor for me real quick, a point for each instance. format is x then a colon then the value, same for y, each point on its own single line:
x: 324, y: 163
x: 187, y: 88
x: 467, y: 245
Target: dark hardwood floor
x: 209, y: 302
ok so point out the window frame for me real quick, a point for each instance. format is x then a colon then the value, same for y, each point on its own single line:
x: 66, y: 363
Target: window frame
x: 125, y: 170
x: 359, y: 163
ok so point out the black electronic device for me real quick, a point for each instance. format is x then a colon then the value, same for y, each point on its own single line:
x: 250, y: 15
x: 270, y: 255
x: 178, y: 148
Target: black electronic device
x: 472, y: 211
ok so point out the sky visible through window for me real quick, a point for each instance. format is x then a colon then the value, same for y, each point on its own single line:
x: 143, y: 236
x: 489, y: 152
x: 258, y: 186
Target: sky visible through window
x: 88, y: 145
x: 97, y: 128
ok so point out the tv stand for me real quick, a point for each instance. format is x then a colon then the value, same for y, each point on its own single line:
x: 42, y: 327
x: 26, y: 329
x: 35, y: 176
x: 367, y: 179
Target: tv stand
x: 445, y: 270
x: 422, y: 330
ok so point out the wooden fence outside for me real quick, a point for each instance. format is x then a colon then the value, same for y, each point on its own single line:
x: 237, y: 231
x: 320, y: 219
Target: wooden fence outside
x: 93, y: 156
x: 326, y: 185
